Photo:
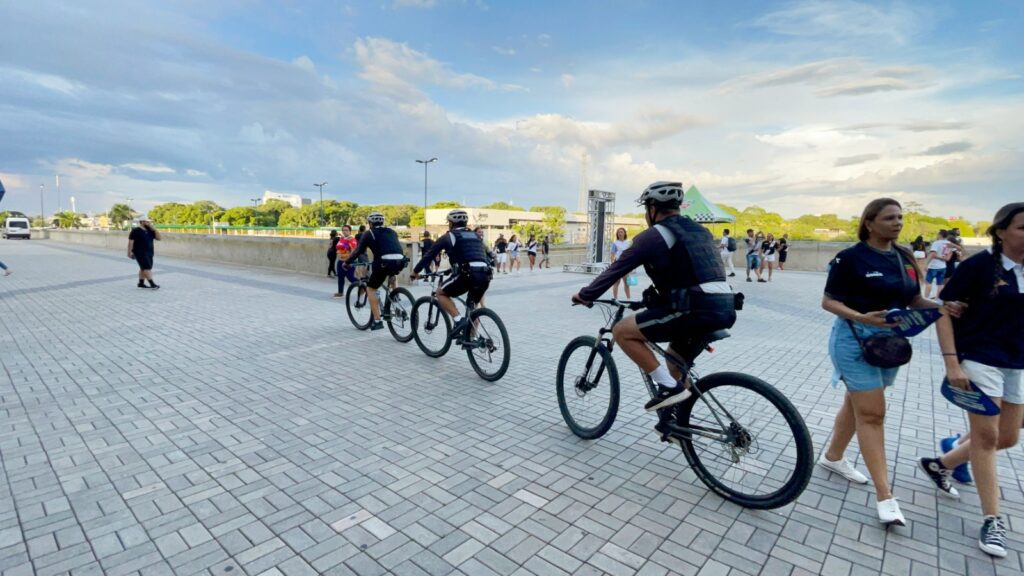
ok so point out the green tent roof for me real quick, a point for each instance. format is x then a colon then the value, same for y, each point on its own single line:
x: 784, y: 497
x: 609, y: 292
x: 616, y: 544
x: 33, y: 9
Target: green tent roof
x: 700, y: 209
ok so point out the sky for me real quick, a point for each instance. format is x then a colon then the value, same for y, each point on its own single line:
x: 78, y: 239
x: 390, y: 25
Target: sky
x: 799, y: 107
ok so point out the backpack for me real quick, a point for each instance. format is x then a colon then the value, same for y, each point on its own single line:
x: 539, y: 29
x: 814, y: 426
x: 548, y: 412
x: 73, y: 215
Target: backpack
x: 731, y: 244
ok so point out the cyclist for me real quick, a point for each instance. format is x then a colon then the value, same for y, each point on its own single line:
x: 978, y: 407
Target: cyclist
x: 388, y: 260
x: 690, y: 295
x: 470, y: 270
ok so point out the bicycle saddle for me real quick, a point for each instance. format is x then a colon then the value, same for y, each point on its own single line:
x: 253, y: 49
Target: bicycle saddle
x: 717, y: 335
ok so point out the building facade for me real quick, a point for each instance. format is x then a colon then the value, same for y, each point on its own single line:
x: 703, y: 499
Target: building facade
x: 294, y: 199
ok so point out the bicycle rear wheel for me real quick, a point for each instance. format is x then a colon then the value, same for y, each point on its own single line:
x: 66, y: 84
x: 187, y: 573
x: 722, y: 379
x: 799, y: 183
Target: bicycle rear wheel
x: 767, y: 459
x: 358, y: 306
x: 400, y: 303
x: 487, y: 344
x: 431, y: 327
x: 588, y: 387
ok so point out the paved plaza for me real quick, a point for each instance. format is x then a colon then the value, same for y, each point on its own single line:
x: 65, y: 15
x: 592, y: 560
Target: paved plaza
x: 234, y: 422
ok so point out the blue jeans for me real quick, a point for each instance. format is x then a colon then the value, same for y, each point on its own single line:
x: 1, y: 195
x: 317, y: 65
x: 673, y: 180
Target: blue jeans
x: 342, y: 274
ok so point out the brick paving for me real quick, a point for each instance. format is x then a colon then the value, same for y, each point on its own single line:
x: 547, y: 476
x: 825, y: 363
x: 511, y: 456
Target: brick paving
x: 235, y: 423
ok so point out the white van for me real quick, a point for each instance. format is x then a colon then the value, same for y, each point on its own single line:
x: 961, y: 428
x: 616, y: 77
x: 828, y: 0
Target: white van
x: 17, y: 228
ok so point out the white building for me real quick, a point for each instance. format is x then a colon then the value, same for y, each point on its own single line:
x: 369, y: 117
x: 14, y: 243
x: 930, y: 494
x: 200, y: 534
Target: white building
x: 294, y: 199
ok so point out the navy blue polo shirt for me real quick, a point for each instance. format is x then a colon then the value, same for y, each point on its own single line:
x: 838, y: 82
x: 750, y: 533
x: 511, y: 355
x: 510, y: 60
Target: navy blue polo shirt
x: 989, y: 331
x: 869, y: 280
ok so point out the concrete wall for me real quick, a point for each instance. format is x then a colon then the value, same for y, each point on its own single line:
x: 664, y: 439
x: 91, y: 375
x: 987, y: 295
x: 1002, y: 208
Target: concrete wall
x: 811, y: 256
x: 307, y: 255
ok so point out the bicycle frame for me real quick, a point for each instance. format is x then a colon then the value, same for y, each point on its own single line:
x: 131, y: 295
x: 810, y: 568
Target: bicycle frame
x: 725, y: 434
x: 434, y: 278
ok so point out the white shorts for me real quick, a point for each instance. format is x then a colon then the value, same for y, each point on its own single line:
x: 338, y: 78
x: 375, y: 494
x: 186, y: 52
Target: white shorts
x: 1005, y: 383
x: 770, y: 257
x: 502, y: 257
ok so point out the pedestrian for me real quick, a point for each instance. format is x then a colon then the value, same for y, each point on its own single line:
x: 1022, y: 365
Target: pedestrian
x: 753, y: 255
x: 513, y: 253
x: 363, y: 261
x: 501, y: 248
x: 332, y: 253
x: 620, y: 245
x: 783, y: 250
x: 769, y: 254
x: 955, y: 249
x: 726, y: 246
x: 985, y: 346
x: 345, y: 246
x: 7, y: 271
x: 140, y: 247
x: 425, y: 246
x: 759, y: 240
x: 920, y: 250
x: 864, y: 282
x: 531, y: 250
x: 938, y: 255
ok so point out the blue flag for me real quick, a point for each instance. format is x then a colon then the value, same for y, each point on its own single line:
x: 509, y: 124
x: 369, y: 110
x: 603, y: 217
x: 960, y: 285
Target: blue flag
x: 973, y: 400
x: 912, y: 322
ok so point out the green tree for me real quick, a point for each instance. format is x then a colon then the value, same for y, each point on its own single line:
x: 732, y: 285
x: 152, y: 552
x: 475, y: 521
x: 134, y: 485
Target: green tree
x: 417, y: 217
x: 291, y: 218
x: 120, y: 215
x: 68, y: 219
x: 502, y: 206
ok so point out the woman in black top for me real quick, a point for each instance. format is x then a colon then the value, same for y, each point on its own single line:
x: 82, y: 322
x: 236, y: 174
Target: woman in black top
x: 864, y: 282
x: 783, y: 251
x: 425, y: 246
x: 332, y: 253
x: 985, y: 346
x: 768, y: 255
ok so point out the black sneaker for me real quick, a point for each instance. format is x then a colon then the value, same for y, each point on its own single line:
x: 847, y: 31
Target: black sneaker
x: 667, y: 397
x: 939, y: 475
x: 459, y: 327
x: 661, y: 430
x: 992, y: 539
x: 762, y: 280
x: 141, y: 285
x: 378, y: 325
x: 154, y: 286
x: 749, y: 280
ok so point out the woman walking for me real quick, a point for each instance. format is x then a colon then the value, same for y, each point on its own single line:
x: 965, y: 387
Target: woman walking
x: 759, y: 245
x: 513, y: 253
x: 620, y: 245
x: 985, y: 346
x: 769, y: 249
x: 332, y: 254
x: 864, y: 281
x: 531, y: 250
x: 345, y: 246
x: 501, y: 252
x: 783, y: 251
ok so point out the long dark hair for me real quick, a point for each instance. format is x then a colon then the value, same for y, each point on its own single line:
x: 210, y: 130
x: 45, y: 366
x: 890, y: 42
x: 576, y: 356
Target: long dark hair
x: 1001, y: 221
x: 871, y: 211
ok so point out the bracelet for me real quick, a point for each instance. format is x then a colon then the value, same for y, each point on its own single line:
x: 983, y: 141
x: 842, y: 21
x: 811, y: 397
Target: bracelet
x: 949, y: 353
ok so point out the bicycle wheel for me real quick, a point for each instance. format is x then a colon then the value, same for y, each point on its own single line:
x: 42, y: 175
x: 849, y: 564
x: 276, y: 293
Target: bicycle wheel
x: 399, y: 308
x: 431, y: 327
x: 588, y: 387
x: 358, y: 306
x: 768, y: 457
x: 487, y: 344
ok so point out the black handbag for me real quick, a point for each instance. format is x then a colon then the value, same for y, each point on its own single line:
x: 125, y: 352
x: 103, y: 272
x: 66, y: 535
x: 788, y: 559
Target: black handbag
x: 884, y: 350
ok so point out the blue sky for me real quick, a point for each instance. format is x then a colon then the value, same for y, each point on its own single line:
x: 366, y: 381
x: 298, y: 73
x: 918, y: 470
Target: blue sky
x: 806, y: 106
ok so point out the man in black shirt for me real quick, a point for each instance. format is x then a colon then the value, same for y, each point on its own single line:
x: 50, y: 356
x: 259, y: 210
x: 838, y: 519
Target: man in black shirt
x: 388, y: 260
x: 140, y: 248
x: 545, y: 251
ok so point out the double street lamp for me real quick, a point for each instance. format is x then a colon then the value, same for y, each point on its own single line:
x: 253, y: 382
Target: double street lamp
x: 321, y: 187
x: 425, y: 162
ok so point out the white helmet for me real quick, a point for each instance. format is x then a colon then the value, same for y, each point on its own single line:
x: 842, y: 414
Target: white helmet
x: 662, y: 193
x: 458, y: 217
x: 375, y: 219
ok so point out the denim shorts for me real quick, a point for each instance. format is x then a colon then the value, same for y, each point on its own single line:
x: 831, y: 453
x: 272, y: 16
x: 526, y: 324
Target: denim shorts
x: 753, y: 261
x: 848, y: 359
x: 937, y: 275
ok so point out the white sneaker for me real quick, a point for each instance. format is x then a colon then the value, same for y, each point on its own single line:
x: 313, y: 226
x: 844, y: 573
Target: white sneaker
x: 889, y: 513
x: 843, y: 468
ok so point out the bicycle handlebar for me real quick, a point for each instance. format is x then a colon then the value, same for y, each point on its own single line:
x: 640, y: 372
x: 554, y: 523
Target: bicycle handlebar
x: 628, y: 304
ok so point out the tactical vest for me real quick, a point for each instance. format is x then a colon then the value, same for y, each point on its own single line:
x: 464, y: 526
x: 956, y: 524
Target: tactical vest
x: 385, y: 241
x: 466, y: 247
x: 694, y: 250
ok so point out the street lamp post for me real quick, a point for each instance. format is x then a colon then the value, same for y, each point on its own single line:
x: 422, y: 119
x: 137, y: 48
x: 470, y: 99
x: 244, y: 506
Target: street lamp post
x: 321, y: 187
x: 425, y: 162
x: 255, y: 208
x: 42, y: 212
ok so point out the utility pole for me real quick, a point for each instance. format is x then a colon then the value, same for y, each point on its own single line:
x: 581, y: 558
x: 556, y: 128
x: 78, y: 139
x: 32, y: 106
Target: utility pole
x: 425, y: 162
x: 321, y: 187
x: 42, y: 212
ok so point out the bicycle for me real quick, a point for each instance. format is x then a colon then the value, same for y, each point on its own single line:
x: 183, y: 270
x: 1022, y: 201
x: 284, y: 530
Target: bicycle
x: 721, y: 444
x: 396, y: 309
x: 485, y: 339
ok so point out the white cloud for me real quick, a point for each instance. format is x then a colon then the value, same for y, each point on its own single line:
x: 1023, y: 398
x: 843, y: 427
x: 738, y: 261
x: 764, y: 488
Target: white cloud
x: 148, y: 168
x: 846, y: 19
x: 504, y: 51
x: 414, y: 3
x: 568, y: 80
x: 304, y: 62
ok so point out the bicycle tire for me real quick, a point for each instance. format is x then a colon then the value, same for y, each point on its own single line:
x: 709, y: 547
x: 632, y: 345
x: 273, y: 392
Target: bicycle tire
x: 604, y: 357
x: 506, y: 350
x: 419, y: 315
x: 401, y: 327
x: 791, y: 489
x: 352, y: 303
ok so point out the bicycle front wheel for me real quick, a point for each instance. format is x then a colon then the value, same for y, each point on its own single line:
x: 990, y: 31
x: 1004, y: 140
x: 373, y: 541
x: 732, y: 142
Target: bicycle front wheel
x: 588, y: 387
x: 763, y: 456
x: 358, y: 306
x: 400, y: 303
x: 487, y: 344
x: 431, y: 327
